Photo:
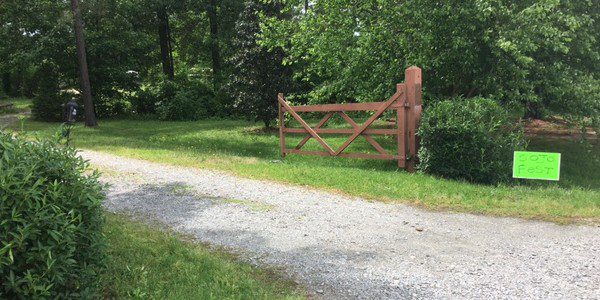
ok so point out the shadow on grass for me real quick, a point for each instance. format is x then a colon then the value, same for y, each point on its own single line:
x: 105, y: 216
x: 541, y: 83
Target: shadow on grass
x: 228, y: 139
x: 580, y: 161
x: 223, y: 137
x: 194, y: 216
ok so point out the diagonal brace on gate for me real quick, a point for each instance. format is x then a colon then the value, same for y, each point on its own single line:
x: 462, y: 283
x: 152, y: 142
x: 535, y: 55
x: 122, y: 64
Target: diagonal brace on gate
x: 352, y: 123
x: 305, y: 125
x: 358, y: 130
x: 361, y: 129
x: 321, y: 124
x: 406, y: 103
x: 369, y: 138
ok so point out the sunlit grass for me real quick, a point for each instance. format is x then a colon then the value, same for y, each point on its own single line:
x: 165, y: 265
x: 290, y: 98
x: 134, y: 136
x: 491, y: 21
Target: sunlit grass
x: 241, y: 148
x: 148, y: 263
x: 19, y: 105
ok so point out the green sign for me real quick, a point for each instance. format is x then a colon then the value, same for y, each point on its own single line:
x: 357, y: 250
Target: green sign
x: 536, y: 165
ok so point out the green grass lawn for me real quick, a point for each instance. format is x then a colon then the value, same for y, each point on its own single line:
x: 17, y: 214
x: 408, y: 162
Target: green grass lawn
x: 240, y: 148
x: 151, y: 264
x: 19, y: 105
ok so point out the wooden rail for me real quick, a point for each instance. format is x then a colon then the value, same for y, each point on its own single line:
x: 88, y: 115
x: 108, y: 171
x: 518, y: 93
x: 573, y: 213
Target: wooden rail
x: 406, y: 102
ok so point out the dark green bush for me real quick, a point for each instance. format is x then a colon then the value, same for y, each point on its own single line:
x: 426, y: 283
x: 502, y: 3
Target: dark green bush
x: 194, y: 101
x: 224, y: 103
x: 51, y: 244
x: 117, y: 104
x: 152, y: 94
x: 470, y: 139
x: 48, y: 101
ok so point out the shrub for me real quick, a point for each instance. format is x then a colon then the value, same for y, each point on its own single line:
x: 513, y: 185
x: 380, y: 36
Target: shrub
x: 224, y: 103
x: 194, y: 101
x: 468, y: 139
x: 109, y: 106
x: 48, y: 101
x: 51, y: 219
x: 150, y: 94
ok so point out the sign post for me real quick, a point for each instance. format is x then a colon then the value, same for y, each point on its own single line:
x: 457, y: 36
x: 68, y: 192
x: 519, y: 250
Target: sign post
x: 536, y: 165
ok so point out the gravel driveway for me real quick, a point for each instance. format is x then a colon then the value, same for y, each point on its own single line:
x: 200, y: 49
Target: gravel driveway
x: 343, y: 247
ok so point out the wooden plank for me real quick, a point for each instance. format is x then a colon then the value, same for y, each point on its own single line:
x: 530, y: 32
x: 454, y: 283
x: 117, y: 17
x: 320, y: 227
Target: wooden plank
x: 343, y: 131
x: 413, y: 83
x: 321, y: 123
x: 369, y: 138
x: 401, y: 125
x: 338, y: 107
x: 281, y: 127
x: 305, y: 125
x: 370, y: 121
x: 347, y: 155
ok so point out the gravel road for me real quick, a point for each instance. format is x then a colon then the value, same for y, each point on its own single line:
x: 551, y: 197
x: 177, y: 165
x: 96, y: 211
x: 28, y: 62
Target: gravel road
x: 343, y: 247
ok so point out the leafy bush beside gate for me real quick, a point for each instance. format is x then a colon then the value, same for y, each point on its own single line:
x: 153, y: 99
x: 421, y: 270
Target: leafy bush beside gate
x: 470, y: 139
x: 50, y: 221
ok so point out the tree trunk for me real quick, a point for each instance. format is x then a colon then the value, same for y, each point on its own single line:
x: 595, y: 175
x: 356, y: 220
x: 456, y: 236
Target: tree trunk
x: 533, y: 110
x: 84, y: 76
x: 6, y: 83
x: 166, y: 49
x: 214, y: 43
x: 17, y: 83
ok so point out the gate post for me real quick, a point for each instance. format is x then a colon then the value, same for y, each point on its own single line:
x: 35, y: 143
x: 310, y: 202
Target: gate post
x: 401, y: 125
x: 281, y: 124
x: 413, y: 81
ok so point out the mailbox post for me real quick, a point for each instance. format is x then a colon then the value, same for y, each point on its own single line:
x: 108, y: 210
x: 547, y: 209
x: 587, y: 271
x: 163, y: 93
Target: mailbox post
x: 71, y: 111
x: 70, y: 118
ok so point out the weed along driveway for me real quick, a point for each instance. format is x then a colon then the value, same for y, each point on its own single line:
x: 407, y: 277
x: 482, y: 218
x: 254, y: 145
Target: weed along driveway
x: 342, y: 247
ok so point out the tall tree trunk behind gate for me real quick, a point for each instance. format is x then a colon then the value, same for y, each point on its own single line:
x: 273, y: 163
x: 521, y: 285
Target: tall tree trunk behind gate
x: 84, y: 77
x: 166, y: 49
x: 214, y: 43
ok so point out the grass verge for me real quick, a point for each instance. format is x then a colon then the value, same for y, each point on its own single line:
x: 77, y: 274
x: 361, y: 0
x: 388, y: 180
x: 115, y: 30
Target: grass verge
x: 239, y: 148
x: 20, y: 105
x: 152, y: 264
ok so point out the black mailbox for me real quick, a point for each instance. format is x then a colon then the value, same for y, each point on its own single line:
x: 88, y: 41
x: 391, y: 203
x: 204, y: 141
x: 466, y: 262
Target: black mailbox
x: 72, y: 111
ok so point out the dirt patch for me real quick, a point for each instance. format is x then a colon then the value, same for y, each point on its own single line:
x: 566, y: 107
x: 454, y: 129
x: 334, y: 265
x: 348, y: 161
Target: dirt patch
x: 262, y: 131
x: 556, y: 127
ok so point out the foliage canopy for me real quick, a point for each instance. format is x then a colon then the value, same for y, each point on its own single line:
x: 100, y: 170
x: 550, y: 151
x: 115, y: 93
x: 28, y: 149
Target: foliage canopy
x: 540, y: 56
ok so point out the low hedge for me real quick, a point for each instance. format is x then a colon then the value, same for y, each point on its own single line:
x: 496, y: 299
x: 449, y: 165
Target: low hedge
x: 50, y: 221
x: 469, y: 139
x: 192, y: 101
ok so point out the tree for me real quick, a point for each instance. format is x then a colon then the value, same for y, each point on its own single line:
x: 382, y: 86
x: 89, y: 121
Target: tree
x: 215, y: 50
x: 203, y: 31
x: 86, y: 90
x: 6, y: 85
x: 537, y: 56
x: 259, y: 73
x: 31, y: 34
x: 166, y: 48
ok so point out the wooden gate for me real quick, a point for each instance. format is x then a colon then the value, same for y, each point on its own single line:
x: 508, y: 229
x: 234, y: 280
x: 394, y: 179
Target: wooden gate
x: 406, y: 102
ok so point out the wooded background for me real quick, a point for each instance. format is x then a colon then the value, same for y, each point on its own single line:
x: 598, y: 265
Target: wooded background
x: 537, y: 58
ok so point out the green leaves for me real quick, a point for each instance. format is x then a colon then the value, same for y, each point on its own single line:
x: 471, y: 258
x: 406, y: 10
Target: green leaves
x: 47, y: 250
x: 468, y: 139
x: 259, y: 72
x: 514, y: 51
